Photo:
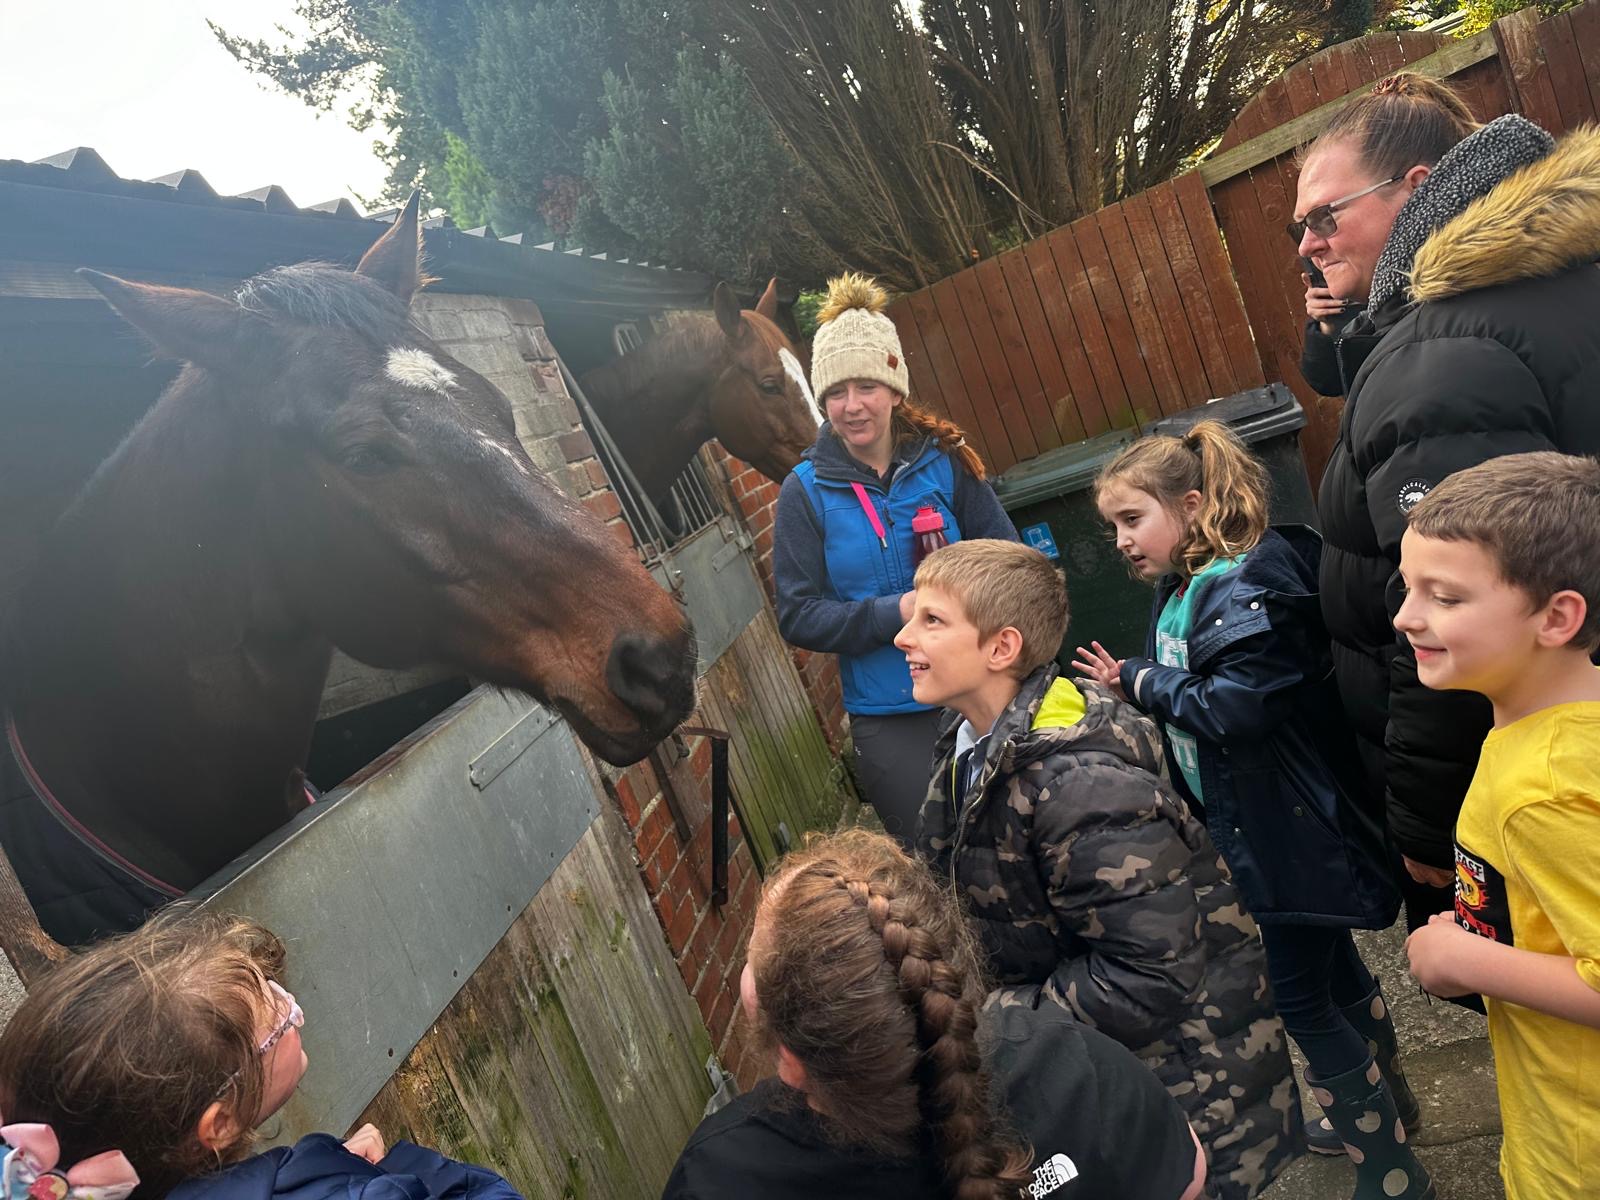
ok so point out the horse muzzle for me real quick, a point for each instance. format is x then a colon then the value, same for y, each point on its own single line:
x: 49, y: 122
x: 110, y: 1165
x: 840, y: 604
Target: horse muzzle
x: 654, y: 679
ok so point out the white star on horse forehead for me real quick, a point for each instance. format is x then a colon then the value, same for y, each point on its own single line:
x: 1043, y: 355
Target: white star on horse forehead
x: 792, y: 368
x: 418, y: 369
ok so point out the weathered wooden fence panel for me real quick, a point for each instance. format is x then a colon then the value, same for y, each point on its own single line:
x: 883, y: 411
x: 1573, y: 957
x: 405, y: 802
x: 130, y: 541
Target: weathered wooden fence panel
x: 1121, y: 317
x: 572, y: 1060
x: 1191, y: 289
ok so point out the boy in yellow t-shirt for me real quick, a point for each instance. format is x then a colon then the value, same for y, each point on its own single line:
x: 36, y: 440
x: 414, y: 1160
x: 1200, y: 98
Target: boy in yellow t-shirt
x: 1502, y: 571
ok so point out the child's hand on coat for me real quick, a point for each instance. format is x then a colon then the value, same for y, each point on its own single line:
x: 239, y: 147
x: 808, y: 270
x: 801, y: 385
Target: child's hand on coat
x: 367, y: 1143
x: 1099, y: 667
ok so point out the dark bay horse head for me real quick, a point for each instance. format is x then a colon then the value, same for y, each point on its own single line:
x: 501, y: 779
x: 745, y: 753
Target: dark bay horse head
x: 731, y: 376
x: 392, y: 510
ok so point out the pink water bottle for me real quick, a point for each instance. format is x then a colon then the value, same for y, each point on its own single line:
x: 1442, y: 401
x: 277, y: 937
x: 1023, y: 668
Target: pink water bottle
x: 928, y: 526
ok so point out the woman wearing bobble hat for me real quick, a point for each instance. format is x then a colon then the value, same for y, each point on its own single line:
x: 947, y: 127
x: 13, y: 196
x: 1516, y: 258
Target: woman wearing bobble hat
x: 845, y: 550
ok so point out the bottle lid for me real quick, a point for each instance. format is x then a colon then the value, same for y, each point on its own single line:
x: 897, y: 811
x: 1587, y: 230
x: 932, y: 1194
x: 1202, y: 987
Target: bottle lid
x: 927, y: 520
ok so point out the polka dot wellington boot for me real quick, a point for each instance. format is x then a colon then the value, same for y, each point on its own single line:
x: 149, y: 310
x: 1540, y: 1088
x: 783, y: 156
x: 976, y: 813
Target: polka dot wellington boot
x: 1371, y: 1019
x: 1361, y: 1108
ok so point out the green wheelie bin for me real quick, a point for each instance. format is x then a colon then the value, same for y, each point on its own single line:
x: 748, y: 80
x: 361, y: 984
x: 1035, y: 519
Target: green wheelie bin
x: 1050, y: 501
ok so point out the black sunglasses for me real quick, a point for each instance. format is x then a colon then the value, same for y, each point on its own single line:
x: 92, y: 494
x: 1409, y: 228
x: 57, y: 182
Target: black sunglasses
x: 1320, y: 219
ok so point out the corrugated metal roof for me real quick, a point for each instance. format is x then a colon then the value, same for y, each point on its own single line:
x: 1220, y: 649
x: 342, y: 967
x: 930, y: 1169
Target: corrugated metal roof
x: 33, y: 229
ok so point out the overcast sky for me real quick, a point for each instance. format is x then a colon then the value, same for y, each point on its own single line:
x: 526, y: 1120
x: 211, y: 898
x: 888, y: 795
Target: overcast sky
x: 146, y: 84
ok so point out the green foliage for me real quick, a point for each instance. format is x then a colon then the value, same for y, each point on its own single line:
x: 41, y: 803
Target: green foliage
x: 606, y: 123
x: 1350, y: 19
x: 1409, y: 14
x: 806, y: 307
x: 1483, y: 13
x: 791, y: 136
x: 691, y: 168
x: 467, y: 188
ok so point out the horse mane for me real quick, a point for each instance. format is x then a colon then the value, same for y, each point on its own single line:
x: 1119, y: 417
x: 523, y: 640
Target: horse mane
x: 312, y: 293
x: 324, y: 295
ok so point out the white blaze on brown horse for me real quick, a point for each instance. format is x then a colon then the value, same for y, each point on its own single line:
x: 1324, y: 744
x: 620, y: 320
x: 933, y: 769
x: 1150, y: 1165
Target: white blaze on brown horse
x: 320, y: 475
x: 716, y: 376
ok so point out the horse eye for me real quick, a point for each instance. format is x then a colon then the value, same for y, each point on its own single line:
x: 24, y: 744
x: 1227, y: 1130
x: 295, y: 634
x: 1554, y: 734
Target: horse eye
x: 366, y: 460
x: 772, y: 387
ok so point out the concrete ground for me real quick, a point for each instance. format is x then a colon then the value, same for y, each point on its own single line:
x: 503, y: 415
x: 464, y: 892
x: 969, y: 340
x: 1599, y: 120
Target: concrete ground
x: 1447, y: 1060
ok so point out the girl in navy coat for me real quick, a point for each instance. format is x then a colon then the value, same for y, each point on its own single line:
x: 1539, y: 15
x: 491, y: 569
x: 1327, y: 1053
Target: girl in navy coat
x: 1237, y: 672
x: 145, y: 1063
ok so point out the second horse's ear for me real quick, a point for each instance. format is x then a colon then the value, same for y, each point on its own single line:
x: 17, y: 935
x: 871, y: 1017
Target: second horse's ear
x: 725, y: 303
x: 767, y: 306
x: 193, y: 326
x: 395, y: 259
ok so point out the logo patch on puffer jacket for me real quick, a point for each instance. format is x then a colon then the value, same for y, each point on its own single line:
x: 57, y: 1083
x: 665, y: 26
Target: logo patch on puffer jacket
x: 1048, y: 1176
x: 1411, y: 493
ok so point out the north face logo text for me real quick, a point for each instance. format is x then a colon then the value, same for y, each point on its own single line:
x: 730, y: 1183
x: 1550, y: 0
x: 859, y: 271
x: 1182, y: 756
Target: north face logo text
x: 1048, y: 1176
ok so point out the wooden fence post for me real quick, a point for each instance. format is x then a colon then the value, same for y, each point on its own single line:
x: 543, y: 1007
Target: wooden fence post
x: 1527, y: 74
x: 31, y: 950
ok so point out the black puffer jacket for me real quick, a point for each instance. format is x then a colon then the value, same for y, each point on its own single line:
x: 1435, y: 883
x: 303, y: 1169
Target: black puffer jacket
x: 1492, y: 348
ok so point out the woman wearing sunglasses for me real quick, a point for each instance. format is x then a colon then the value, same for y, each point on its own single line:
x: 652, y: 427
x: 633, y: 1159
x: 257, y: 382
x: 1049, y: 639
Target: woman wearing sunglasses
x: 1475, y: 249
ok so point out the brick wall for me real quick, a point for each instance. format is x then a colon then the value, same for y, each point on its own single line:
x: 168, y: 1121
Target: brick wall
x: 665, y: 800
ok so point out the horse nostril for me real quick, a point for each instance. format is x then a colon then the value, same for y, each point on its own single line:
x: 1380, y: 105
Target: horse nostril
x: 647, y: 674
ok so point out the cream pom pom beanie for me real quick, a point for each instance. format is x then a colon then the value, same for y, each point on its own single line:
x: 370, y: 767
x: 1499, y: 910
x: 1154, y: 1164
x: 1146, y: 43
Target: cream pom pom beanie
x: 855, y: 339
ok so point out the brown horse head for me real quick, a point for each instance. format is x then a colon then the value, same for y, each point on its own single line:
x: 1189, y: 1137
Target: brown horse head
x: 760, y: 404
x: 391, y: 509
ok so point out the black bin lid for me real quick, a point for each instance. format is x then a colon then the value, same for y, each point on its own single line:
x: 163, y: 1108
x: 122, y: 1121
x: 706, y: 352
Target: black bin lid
x: 1254, y: 415
x: 1059, y: 472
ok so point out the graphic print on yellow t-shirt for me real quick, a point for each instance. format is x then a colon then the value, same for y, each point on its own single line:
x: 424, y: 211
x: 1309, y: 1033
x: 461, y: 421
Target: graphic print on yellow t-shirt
x: 1528, y: 874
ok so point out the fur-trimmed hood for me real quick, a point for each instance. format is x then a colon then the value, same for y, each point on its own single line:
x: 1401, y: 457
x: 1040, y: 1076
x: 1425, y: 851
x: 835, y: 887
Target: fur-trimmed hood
x: 1541, y: 220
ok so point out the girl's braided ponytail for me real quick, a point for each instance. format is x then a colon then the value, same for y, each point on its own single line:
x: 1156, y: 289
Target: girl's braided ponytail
x: 855, y: 917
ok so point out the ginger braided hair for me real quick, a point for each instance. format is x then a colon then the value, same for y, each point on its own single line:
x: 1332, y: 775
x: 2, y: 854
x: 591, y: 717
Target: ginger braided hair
x: 866, y: 971
x: 911, y: 420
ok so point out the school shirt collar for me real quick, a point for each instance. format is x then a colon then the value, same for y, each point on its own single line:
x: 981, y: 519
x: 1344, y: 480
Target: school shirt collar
x: 970, y: 750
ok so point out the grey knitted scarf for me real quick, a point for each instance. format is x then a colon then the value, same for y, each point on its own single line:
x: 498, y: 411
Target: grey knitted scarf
x: 1471, y: 168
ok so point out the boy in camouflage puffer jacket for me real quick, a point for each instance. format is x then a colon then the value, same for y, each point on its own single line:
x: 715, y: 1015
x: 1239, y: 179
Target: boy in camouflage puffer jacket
x: 1088, y: 879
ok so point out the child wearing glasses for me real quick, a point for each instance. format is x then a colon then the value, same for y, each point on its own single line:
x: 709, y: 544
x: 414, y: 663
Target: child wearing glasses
x: 149, y: 1061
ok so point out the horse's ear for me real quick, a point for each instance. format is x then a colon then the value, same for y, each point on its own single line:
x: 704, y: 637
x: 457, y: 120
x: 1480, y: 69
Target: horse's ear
x: 725, y: 303
x: 767, y: 306
x: 395, y: 260
x: 195, y: 326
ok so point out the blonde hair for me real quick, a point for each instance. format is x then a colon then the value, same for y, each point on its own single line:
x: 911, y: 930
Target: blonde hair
x: 1406, y: 120
x: 1003, y: 583
x: 869, y: 974
x: 1209, y: 459
x: 1538, y: 517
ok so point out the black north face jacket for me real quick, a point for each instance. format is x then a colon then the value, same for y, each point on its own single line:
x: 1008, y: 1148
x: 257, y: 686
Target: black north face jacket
x: 1483, y: 339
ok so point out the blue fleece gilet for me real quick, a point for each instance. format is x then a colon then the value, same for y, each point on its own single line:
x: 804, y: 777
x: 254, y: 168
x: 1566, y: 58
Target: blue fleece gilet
x: 862, y: 568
